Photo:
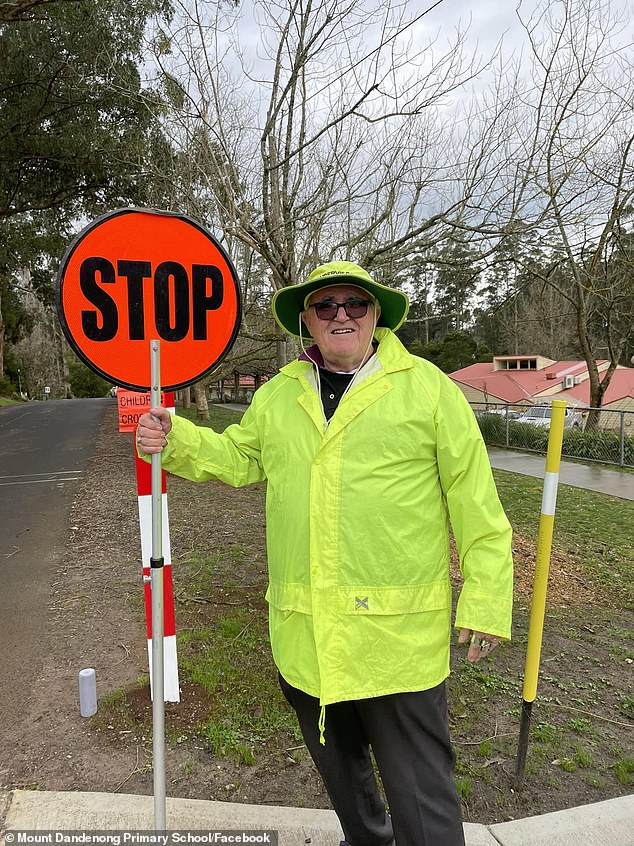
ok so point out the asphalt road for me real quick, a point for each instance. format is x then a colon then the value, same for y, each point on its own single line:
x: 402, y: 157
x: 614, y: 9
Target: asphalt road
x: 44, y: 450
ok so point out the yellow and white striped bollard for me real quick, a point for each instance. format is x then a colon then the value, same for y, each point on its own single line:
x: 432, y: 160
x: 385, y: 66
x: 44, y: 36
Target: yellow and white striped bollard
x: 540, y: 584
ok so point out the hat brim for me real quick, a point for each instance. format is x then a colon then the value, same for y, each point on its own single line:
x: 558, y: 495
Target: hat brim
x: 288, y: 303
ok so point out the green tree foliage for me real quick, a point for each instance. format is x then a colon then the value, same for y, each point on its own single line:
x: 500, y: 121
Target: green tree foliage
x: 19, y: 10
x: 504, y: 283
x: 76, y: 126
x: 613, y: 316
x: 416, y: 275
x: 455, y: 285
x: 73, y: 119
x: 17, y: 320
x: 83, y: 382
x: 523, y: 309
x: 456, y: 350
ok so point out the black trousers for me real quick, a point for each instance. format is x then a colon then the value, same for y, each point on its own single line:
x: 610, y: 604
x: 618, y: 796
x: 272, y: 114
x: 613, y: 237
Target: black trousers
x: 409, y: 736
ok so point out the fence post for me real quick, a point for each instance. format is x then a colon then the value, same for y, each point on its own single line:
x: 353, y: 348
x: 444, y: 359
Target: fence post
x: 622, y: 452
x: 507, y: 425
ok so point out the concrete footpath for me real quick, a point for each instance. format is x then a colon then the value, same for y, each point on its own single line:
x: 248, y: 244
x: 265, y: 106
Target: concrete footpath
x: 592, y: 477
x: 608, y: 823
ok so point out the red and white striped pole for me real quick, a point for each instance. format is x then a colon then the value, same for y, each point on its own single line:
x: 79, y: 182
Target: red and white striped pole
x: 171, y: 690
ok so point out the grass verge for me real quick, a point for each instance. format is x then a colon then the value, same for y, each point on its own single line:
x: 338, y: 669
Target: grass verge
x: 219, y: 417
x: 595, y: 529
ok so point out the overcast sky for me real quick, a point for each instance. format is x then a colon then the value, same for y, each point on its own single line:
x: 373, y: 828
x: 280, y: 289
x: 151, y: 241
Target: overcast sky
x: 487, y: 20
x: 490, y: 20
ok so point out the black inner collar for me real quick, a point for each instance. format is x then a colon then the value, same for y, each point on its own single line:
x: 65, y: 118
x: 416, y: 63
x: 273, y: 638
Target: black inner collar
x: 333, y: 386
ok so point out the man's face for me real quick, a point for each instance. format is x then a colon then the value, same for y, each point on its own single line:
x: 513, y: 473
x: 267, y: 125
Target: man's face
x: 342, y: 340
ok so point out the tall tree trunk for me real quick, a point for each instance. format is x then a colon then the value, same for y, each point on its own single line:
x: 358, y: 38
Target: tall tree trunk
x: 202, y: 406
x: 187, y: 396
x: 64, y: 389
x: 597, y: 387
x: 280, y: 351
x: 426, y: 320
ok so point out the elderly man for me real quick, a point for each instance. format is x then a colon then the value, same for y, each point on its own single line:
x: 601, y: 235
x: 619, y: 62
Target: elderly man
x: 368, y: 452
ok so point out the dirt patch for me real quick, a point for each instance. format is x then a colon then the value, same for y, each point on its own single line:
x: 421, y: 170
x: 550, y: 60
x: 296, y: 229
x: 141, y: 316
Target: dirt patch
x: 96, y: 619
x: 567, y: 582
x: 194, y: 707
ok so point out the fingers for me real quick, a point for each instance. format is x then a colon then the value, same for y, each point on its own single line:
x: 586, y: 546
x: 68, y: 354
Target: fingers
x: 152, y: 430
x: 464, y: 636
x: 481, y: 644
x: 163, y: 416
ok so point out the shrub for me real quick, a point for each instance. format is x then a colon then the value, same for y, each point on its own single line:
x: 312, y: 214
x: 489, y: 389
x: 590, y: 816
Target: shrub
x: 7, y: 388
x: 83, y: 382
x: 595, y: 446
x: 493, y: 428
x: 600, y: 446
x: 525, y: 436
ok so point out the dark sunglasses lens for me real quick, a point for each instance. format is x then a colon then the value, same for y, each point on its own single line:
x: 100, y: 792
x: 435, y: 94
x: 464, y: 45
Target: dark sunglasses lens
x: 353, y: 308
x: 326, y: 311
x: 357, y: 308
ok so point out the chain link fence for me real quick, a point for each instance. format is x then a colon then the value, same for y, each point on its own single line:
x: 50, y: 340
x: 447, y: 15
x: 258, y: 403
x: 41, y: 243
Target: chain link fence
x: 590, y: 434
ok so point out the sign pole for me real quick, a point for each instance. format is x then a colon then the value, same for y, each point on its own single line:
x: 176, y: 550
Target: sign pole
x: 156, y: 571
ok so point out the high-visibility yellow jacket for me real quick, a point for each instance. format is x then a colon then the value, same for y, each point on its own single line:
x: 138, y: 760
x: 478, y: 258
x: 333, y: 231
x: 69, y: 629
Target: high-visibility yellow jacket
x: 357, y: 521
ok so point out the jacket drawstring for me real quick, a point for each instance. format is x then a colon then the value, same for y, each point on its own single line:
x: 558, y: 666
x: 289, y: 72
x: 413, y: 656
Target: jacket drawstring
x: 306, y: 353
x: 322, y: 725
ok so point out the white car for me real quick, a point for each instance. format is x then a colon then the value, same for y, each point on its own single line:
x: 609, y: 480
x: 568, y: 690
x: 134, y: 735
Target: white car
x: 539, y: 415
x: 503, y: 412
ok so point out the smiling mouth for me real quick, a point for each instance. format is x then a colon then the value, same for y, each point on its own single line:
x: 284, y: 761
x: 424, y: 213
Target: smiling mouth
x: 342, y: 331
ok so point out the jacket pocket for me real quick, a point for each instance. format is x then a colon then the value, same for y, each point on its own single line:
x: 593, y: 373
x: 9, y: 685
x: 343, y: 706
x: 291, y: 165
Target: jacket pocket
x: 403, y: 599
x: 290, y: 596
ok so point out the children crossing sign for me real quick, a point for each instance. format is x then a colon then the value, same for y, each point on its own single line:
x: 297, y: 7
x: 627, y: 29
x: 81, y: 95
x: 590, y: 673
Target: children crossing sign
x: 137, y: 274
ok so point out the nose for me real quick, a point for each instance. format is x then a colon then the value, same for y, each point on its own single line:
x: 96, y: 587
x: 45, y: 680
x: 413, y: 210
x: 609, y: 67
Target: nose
x: 341, y: 307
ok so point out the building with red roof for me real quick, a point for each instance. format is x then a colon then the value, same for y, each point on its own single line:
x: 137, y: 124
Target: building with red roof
x: 521, y: 380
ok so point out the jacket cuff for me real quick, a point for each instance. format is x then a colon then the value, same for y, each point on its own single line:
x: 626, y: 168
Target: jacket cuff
x: 482, y: 612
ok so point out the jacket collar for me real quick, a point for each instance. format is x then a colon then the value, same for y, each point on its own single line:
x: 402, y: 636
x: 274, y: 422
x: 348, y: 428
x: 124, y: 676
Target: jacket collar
x: 391, y: 352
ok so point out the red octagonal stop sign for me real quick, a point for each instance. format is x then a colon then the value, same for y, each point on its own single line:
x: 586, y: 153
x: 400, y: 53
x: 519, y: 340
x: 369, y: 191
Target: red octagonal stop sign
x: 135, y: 275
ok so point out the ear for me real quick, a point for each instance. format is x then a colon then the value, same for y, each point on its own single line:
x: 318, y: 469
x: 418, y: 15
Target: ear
x: 305, y: 317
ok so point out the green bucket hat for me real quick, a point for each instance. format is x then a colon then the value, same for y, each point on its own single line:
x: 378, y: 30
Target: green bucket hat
x: 288, y: 303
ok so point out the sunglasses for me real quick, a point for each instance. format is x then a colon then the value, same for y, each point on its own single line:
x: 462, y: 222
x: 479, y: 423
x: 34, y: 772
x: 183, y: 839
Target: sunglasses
x: 329, y: 310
